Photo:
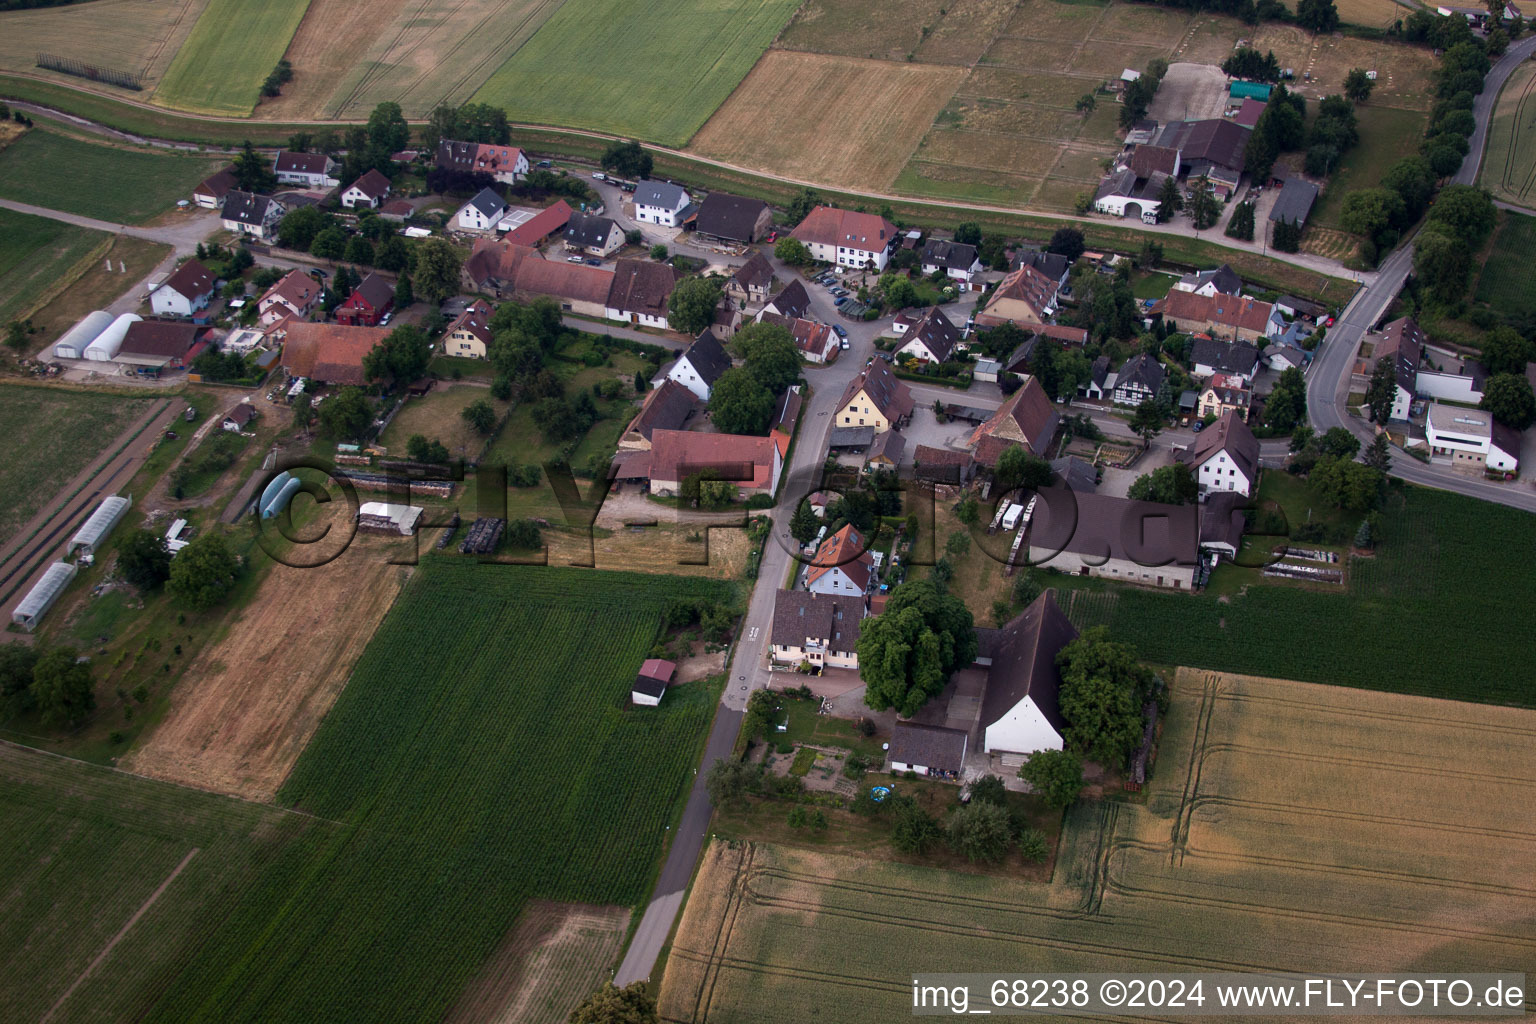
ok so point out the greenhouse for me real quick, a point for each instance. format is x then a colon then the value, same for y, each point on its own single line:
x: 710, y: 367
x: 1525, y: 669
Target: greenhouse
x: 41, y: 597
x: 79, y: 337
x: 96, y: 529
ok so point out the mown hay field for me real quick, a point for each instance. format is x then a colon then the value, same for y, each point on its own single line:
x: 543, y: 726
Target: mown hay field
x: 34, y: 253
x: 1509, y: 165
x: 931, y: 31
x: 665, y: 66
x: 128, y: 184
x: 349, y: 57
x: 786, y: 117
x: 1287, y: 827
x: 228, y: 54
x: 52, y: 434
x: 482, y: 756
x: 136, y: 36
x: 1508, y: 278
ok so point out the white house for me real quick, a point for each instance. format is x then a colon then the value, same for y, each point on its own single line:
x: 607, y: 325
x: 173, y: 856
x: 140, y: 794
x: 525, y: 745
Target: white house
x: 310, y: 170
x: 368, y: 191
x: 700, y: 366
x: 186, y: 292
x: 932, y: 339
x: 846, y: 237
x: 1402, y: 341
x: 659, y: 202
x: 816, y: 629
x: 1138, y: 380
x: 1020, y: 709
x: 1470, y: 439
x: 482, y: 213
x: 1210, y: 283
x: 239, y: 417
x: 246, y: 213
x: 959, y: 262
x: 842, y: 566
x: 296, y: 294
x: 1225, y: 456
x: 652, y: 681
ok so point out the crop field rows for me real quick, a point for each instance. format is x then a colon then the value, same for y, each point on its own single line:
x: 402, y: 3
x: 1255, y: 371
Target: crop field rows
x: 229, y: 52
x: 1508, y: 278
x: 131, y: 184
x: 140, y: 36
x: 1245, y: 835
x: 35, y: 252
x: 1509, y: 165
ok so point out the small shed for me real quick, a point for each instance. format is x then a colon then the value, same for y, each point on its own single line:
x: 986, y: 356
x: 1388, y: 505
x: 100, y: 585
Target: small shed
x: 927, y: 750
x: 382, y: 517
x: 652, y: 681
x: 100, y: 525
x: 1251, y: 91
x: 41, y: 597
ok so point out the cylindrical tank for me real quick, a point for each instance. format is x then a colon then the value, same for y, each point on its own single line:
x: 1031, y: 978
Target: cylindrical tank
x: 104, y: 348
x: 78, y: 337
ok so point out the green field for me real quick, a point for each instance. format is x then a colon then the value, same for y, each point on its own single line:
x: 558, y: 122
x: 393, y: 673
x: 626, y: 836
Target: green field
x: 665, y: 66
x: 34, y: 253
x: 113, y: 183
x: 1433, y: 613
x: 1387, y: 135
x: 1507, y: 163
x: 233, y: 47
x: 483, y: 754
x: 1508, y: 279
x: 51, y: 434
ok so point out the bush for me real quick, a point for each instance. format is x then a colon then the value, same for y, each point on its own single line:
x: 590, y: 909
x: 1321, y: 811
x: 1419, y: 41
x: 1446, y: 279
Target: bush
x: 1033, y: 845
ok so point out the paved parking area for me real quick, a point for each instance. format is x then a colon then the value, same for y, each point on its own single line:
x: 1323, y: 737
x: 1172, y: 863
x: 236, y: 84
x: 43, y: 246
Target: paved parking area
x: 1118, y: 481
x: 926, y: 429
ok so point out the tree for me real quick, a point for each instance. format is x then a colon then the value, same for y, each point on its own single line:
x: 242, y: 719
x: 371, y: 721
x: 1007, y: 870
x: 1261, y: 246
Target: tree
x: 908, y: 651
x: 404, y: 295
x: 1444, y: 157
x: 729, y: 781
x: 1241, y: 224
x: 989, y: 789
x: 1339, y: 443
x: 1381, y: 392
x: 1056, y: 776
x: 1347, y: 484
x: 1467, y: 210
x: 1170, y: 199
x: 61, y: 688
x: 800, y: 207
x: 437, y: 270
x: 1017, y: 466
x: 609, y: 1005
x: 1025, y: 588
x: 980, y: 831
x: 1148, y: 420
x: 401, y: 357
x: 958, y: 544
x: 1413, y: 179
x: 804, y: 524
x: 420, y: 448
x: 898, y: 291
x: 792, y: 251
x: 392, y: 255
x: 18, y: 334
x: 299, y: 226
x: 769, y: 355
x: 1505, y: 351
x: 1285, y: 235
x: 627, y: 159
x: 16, y: 664
x: 659, y: 252
x: 1103, y: 688
x: 143, y: 559
x: 359, y: 251
x: 204, y: 571
x: 968, y: 233
x: 252, y: 171
x: 479, y: 415
x: 345, y: 414
x: 1067, y: 242
x: 1317, y: 15
x: 1442, y: 261
x: 1204, y: 207
x: 1173, y: 484
x: 691, y: 307
x: 329, y: 244
x: 914, y: 830
x: 388, y: 132
x: 1358, y: 85
x: 1508, y: 396
x: 739, y: 404
x: 1378, y: 454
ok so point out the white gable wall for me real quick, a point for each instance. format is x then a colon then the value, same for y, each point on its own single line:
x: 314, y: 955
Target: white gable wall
x: 1220, y: 473
x: 1022, y: 730
x: 685, y: 374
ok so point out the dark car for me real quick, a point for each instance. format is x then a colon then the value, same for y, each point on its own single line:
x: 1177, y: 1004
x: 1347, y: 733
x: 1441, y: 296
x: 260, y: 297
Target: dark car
x: 839, y: 330
x: 594, y: 263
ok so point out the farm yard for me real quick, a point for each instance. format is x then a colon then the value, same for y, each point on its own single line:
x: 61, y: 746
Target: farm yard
x: 548, y: 79
x: 480, y: 763
x: 129, y: 184
x: 230, y: 51
x: 1508, y: 278
x: 1246, y: 856
x: 53, y: 434
x: 1508, y: 164
x: 136, y: 36
x: 35, y: 253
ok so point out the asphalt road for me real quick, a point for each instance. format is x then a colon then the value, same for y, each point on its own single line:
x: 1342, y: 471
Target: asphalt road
x: 1329, y: 377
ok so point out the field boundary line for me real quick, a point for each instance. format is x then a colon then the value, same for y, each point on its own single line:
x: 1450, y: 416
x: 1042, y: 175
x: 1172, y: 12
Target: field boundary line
x: 1187, y: 800
x: 143, y: 909
x: 67, y: 281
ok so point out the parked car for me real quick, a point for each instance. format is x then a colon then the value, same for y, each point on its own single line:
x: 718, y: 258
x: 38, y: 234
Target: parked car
x: 573, y: 259
x: 1199, y: 426
x: 599, y: 175
x: 840, y: 331
x: 545, y: 163
x: 594, y: 263
x: 844, y: 344
x: 839, y: 302
x: 386, y: 318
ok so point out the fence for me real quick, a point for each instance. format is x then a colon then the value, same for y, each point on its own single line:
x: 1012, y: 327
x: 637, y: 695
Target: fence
x: 80, y: 69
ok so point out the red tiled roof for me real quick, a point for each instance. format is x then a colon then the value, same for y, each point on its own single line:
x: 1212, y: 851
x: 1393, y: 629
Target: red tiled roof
x: 561, y: 280
x: 831, y: 226
x: 191, y: 279
x: 496, y: 260
x: 1029, y: 286
x: 373, y: 184
x: 331, y: 353
x: 543, y: 224
x: 641, y: 286
x: 296, y: 288
x: 1027, y: 418
x: 218, y: 185
x: 676, y: 454
x: 1224, y: 310
x: 843, y: 550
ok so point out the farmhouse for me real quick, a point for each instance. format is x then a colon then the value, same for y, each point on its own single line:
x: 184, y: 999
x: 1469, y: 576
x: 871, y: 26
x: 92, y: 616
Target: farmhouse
x: 814, y: 341
x: 153, y: 346
x: 185, y: 293
x: 1401, y: 341
x: 1230, y: 316
x: 1020, y: 708
x: 1211, y: 283
x: 309, y: 170
x: 595, y: 236
x: 238, y: 418
x: 1027, y: 418
x: 1138, y: 380
x: 1214, y: 148
x: 820, y: 630
x: 700, y: 366
x: 503, y: 163
x: 753, y: 464
x: 1471, y: 439
x: 660, y: 202
x: 1225, y: 393
x: 846, y: 237
x: 373, y: 297
x: 639, y: 293
x: 885, y: 451
x: 492, y: 267
x: 792, y: 302
x: 1124, y: 193
x: 576, y: 287
x: 1026, y: 296
x: 367, y: 192
x: 665, y: 408
x: 875, y: 398
x: 482, y: 213
x: 752, y: 282
x: 210, y: 194
x: 842, y: 566
x: 532, y: 232
x: 727, y: 218
x: 932, y: 339
x: 327, y: 353
x: 1224, y: 457
x: 246, y: 213
x: 295, y: 295
x: 651, y: 682
x: 942, y: 465
x: 1212, y: 358
x: 1092, y: 534
x: 469, y: 336
x: 927, y: 749
x: 959, y: 262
